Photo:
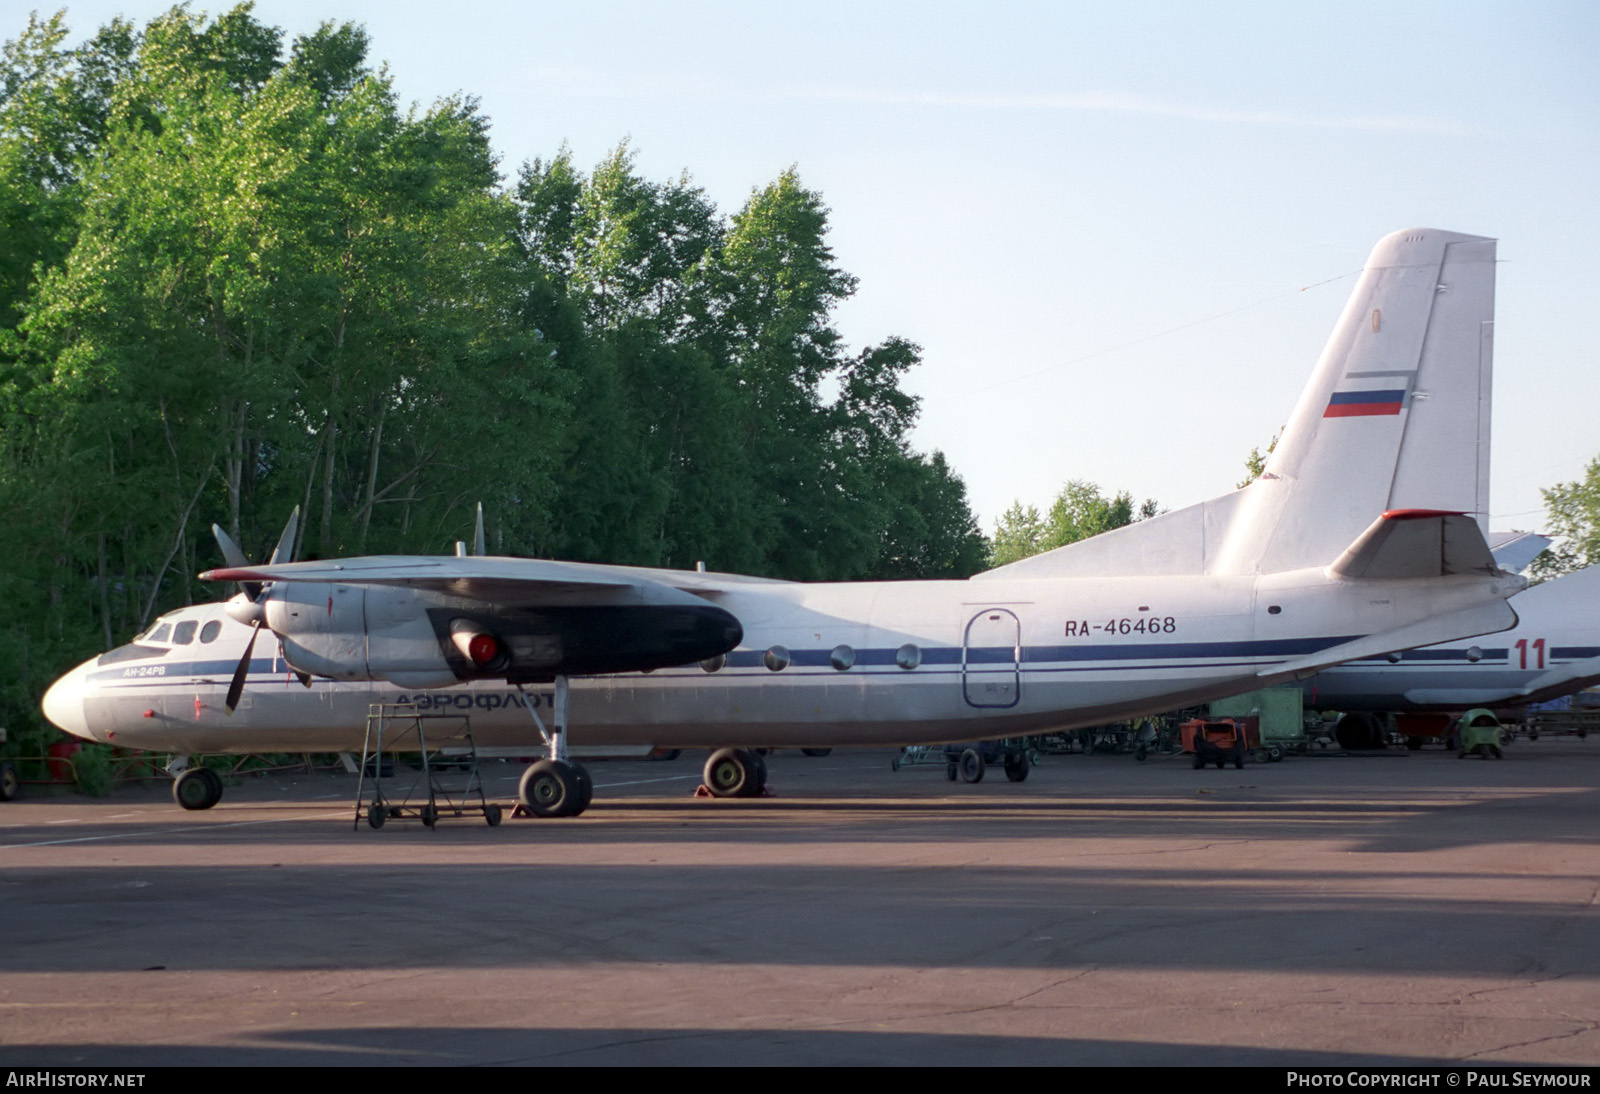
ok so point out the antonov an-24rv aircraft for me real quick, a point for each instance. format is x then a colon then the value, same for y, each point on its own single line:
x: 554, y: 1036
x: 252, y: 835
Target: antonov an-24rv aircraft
x: 1362, y: 536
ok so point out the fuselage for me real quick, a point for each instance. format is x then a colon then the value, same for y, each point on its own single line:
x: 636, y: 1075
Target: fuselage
x: 822, y: 664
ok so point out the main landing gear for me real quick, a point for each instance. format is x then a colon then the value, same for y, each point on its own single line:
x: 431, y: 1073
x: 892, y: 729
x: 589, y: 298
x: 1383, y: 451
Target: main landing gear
x: 555, y: 787
x: 735, y: 773
x: 197, y: 788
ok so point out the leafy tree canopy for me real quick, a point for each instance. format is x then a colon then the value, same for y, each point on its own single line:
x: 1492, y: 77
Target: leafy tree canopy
x: 1079, y: 511
x: 1574, y: 512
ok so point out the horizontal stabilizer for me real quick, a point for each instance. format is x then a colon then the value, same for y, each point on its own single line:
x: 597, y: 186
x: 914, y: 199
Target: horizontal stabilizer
x: 1416, y: 543
x: 1515, y: 551
x: 1482, y: 619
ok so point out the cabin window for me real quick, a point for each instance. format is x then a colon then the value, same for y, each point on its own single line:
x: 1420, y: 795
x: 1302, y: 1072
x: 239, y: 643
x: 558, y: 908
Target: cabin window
x: 1474, y: 654
x: 712, y: 664
x: 184, y: 633
x: 908, y: 656
x: 209, y: 632
x: 842, y: 657
x: 776, y: 659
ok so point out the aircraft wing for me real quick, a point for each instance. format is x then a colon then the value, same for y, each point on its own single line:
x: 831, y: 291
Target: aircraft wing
x: 511, y: 582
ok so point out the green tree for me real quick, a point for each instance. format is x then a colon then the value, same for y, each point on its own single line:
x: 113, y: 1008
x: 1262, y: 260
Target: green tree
x: 1079, y: 511
x: 1574, y: 512
x: 1256, y: 462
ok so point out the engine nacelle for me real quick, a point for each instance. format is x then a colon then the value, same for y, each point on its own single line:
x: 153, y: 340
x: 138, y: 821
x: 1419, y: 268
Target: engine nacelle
x: 421, y: 638
x: 355, y: 632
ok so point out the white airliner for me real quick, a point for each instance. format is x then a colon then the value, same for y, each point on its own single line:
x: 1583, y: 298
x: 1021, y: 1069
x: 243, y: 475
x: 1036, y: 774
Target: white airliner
x: 1361, y: 537
x: 1554, y: 650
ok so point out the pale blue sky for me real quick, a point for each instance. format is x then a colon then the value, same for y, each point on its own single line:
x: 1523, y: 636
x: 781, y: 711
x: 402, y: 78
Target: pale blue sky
x: 1024, y: 188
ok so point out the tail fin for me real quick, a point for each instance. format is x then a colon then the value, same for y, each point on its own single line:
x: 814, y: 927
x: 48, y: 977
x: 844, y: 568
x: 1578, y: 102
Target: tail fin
x: 1395, y: 417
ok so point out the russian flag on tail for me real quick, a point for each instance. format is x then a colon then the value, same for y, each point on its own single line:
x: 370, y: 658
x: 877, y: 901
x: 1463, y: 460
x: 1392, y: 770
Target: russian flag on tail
x: 1360, y: 404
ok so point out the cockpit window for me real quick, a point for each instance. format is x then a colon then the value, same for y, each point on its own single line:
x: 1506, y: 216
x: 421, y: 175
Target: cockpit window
x: 209, y: 632
x: 161, y: 633
x: 183, y: 634
x: 132, y: 653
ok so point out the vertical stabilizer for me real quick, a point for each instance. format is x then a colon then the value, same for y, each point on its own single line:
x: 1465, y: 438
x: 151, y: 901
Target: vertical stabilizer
x: 1396, y: 415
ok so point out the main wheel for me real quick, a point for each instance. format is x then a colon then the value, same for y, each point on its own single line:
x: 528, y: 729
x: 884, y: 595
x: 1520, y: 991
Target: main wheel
x: 972, y: 765
x: 585, y: 787
x: 818, y: 753
x: 197, y: 788
x: 551, y: 788
x: 1017, y: 766
x: 734, y: 773
x: 1357, y: 733
x: 9, y: 783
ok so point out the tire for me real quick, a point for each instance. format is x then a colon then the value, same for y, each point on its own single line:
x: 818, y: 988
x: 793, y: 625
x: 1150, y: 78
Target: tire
x: 666, y: 753
x: 197, y: 788
x: 1199, y: 762
x: 377, y: 815
x: 1016, y: 766
x: 1275, y: 754
x: 9, y: 783
x: 429, y: 815
x: 492, y: 815
x: 1141, y: 753
x: 549, y: 789
x: 816, y: 753
x: 585, y: 783
x: 732, y: 773
x: 951, y: 771
x: 972, y: 765
x: 1357, y: 733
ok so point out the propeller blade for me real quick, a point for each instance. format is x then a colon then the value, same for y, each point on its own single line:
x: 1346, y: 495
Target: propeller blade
x: 236, y: 688
x: 234, y: 555
x: 477, y: 534
x: 284, y: 551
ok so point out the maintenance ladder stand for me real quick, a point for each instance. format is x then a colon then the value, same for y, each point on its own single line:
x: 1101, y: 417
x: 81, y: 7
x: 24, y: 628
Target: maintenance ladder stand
x: 445, y: 744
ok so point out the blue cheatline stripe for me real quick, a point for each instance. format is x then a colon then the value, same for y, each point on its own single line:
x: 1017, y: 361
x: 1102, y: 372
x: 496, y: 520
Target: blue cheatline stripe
x: 1205, y: 653
x: 1575, y: 653
x: 938, y: 655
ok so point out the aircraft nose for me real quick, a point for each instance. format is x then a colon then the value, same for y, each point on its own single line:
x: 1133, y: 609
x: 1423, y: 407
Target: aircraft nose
x: 63, y: 703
